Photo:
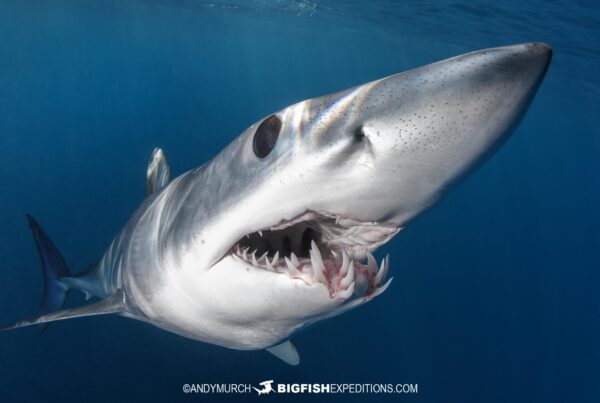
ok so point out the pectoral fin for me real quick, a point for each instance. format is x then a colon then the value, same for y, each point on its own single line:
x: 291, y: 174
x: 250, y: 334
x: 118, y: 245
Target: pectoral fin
x: 286, y: 352
x: 114, y: 304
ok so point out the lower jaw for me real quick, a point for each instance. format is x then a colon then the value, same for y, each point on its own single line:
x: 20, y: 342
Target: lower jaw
x: 344, y: 278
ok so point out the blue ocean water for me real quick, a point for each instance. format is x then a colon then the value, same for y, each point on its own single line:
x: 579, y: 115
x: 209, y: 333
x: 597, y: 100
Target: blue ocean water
x: 496, y: 295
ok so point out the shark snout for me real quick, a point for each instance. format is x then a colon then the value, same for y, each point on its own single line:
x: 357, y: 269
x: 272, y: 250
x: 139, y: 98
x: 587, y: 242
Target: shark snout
x: 519, y: 67
x: 534, y: 57
x: 427, y: 128
x: 541, y: 51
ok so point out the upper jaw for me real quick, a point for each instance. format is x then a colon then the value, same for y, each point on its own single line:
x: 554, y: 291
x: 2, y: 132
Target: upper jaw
x: 322, y: 249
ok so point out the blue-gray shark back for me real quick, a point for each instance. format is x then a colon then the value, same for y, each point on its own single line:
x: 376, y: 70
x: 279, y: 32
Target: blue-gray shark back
x: 277, y: 231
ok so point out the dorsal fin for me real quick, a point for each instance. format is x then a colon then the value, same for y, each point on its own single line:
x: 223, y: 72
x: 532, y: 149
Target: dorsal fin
x: 158, y: 174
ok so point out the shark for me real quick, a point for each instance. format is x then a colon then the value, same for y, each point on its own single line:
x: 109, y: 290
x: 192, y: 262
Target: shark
x: 278, y: 231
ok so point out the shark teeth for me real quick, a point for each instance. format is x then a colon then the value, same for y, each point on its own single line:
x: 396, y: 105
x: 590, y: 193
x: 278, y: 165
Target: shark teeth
x: 371, y: 264
x: 269, y: 265
x: 262, y: 258
x: 294, y: 260
x: 343, y: 277
x: 317, y: 262
x: 275, y: 259
x: 347, y: 293
x: 345, y: 263
x: 292, y: 268
x: 349, y: 278
x: 379, y: 290
x: 383, y: 270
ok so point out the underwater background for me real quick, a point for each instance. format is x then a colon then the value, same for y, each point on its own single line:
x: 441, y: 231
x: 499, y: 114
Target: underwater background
x: 496, y: 291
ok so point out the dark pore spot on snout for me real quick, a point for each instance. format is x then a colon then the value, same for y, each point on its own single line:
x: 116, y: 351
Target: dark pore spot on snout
x: 359, y: 133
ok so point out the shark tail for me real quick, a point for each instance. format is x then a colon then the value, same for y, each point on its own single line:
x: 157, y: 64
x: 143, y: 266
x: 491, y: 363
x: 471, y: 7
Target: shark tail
x: 57, y: 283
x: 54, y: 268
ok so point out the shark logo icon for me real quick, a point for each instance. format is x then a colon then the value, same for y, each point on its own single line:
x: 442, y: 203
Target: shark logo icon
x: 266, y: 388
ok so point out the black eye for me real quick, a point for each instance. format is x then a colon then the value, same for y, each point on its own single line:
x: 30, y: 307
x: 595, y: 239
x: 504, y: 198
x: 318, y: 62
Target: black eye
x: 266, y: 136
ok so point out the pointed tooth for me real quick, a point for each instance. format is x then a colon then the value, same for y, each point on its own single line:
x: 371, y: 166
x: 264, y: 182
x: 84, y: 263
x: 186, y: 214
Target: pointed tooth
x: 268, y: 264
x: 347, y: 293
x: 381, y: 289
x: 260, y: 233
x: 245, y: 253
x: 383, y: 270
x: 263, y: 257
x: 315, y: 249
x: 335, y: 255
x: 345, y: 263
x: 371, y: 264
x: 317, y: 262
x: 346, y: 281
x: 275, y: 261
x: 254, y: 262
x: 316, y: 266
x: 289, y: 265
x: 292, y: 271
x: 294, y: 260
x: 316, y: 252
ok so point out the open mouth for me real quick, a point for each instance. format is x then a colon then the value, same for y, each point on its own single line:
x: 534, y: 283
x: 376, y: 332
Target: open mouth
x: 322, y: 248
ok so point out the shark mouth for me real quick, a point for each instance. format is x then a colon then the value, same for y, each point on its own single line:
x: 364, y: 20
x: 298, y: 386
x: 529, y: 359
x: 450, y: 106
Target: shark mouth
x: 322, y: 248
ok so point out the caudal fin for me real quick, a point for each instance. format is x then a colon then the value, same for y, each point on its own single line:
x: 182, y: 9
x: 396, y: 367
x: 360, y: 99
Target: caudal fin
x: 113, y: 304
x: 54, y: 267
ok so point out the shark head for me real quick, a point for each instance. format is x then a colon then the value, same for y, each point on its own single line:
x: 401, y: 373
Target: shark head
x: 278, y: 230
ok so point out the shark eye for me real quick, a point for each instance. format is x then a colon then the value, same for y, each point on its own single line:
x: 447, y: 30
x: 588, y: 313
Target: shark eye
x: 266, y: 136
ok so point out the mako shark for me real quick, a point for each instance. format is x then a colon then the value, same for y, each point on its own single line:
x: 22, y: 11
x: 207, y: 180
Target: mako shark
x: 278, y: 231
